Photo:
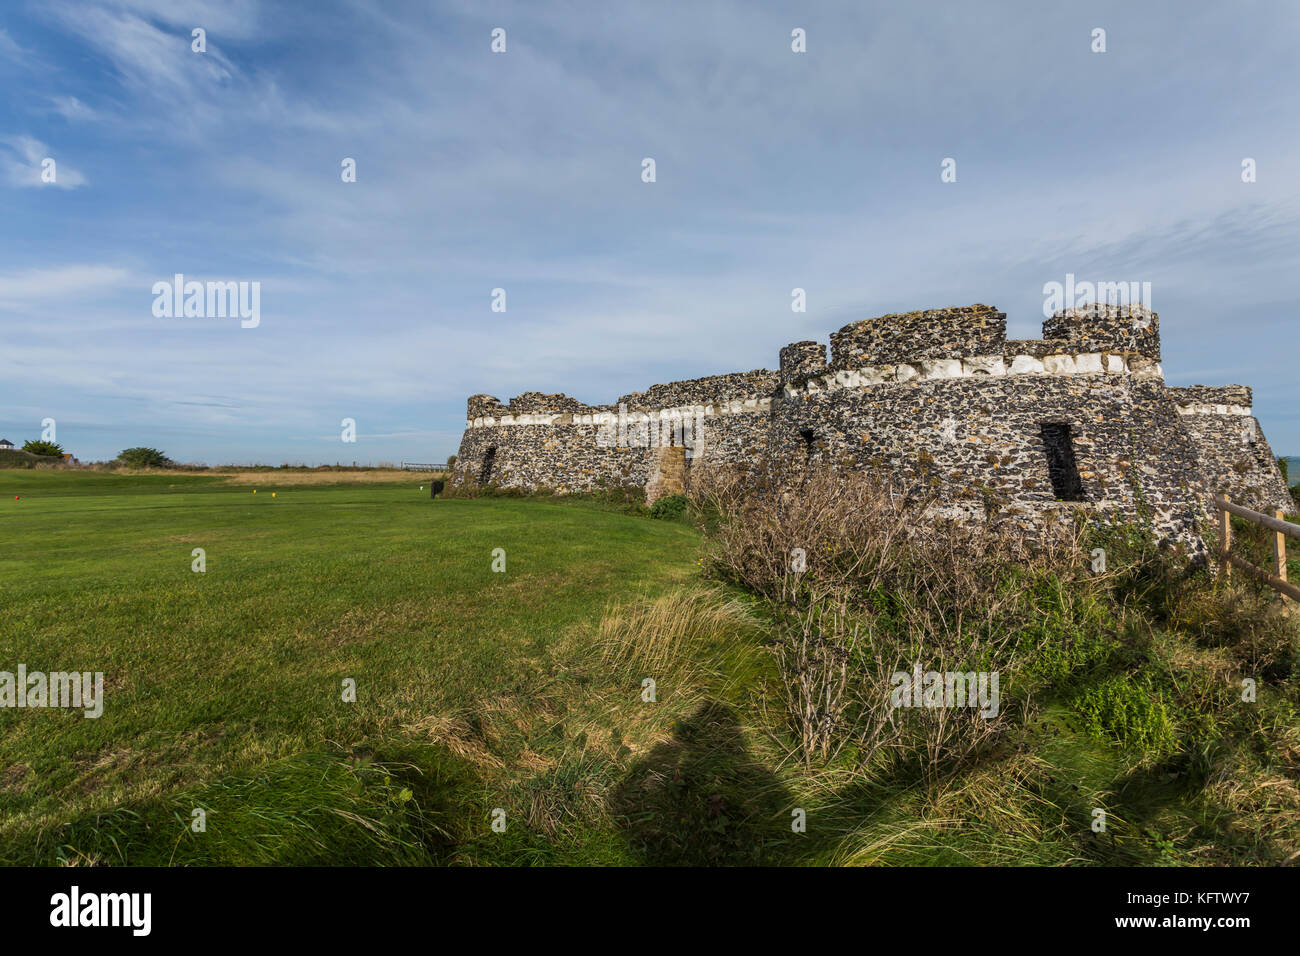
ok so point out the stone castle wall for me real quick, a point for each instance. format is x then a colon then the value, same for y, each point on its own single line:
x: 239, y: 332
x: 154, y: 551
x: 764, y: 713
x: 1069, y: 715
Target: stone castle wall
x: 1231, y: 450
x: 941, y: 400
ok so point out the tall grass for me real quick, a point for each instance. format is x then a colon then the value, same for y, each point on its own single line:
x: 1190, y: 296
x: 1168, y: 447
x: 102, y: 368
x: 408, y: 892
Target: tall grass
x: 1129, y: 678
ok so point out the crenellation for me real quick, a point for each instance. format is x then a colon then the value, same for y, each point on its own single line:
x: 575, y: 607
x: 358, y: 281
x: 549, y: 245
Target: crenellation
x: 1081, y: 418
x: 712, y: 389
x: 1107, y: 328
x: 799, y: 360
x: 909, y: 337
x: 1191, y: 395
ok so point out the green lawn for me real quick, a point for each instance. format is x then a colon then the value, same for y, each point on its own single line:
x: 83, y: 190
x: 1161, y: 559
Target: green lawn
x: 214, y: 678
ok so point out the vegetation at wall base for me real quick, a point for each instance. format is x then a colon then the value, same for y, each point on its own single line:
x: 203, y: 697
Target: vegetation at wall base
x: 523, y: 691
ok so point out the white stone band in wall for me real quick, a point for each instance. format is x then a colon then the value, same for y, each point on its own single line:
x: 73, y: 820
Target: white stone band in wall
x: 740, y: 406
x: 1204, y: 409
x: 979, y: 366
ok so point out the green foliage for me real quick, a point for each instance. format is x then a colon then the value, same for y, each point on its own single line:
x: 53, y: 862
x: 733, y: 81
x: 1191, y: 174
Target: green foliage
x: 144, y: 458
x: 12, y: 458
x: 48, y: 449
x: 1067, y: 631
x: 1129, y: 710
x: 669, y: 507
x: 309, y: 810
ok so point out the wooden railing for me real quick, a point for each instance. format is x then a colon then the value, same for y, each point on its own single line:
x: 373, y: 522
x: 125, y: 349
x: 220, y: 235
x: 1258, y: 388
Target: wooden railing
x: 1281, y: 531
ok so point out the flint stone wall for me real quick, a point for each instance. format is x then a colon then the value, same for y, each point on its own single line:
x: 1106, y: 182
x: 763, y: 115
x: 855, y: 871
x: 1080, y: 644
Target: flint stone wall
x: 942, y: 402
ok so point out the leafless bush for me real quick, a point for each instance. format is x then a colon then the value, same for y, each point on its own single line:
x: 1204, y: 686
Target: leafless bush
x: 814, y: 653
x: 869, y: 583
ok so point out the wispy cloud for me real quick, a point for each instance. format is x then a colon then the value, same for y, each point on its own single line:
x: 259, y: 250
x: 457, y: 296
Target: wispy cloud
x: 70, y: 285
x: 27, y: 162
x: 11, y: 52
x: 73, y: 110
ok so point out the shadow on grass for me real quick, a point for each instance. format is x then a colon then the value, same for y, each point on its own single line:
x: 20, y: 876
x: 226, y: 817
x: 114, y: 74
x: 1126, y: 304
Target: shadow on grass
x: 702, y: 799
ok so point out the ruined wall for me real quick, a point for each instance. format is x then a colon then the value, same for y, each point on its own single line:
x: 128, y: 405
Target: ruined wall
x: 912, y: 336
x: 941, y: 400
x: 530, y: 443
x: 564, y: 458
x: 712, y: 390
x: 1231, y: 450
x: 993, y: 443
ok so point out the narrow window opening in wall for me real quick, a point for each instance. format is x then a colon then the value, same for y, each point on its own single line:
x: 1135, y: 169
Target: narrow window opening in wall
x: 1058, y: 442
x: 807, y: 435
x: 489, y: 459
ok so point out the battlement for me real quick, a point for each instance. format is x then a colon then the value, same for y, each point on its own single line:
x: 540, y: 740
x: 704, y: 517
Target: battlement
x: 904, y: 337
x: 940, y: 398
x: 800, y: 360
x: 969, y: 342
x: 734, y: 393
x: 484, y: 406
x: 527, y: 404
x: 1213, y: 399
x: 955, y: 342
x: 1126, y: 329
x: 710, y: 390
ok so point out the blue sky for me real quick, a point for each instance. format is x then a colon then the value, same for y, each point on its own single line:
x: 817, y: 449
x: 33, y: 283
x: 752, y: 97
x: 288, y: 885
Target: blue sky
x: 522, y: 171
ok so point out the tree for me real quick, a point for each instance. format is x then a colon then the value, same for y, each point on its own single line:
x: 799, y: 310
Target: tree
x: 46, y: 448
x: 144, y: 458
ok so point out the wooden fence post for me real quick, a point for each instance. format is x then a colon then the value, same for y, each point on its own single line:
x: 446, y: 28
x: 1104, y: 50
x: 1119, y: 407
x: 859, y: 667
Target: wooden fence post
x: 1225, y: 538
x: 1281, y: 528
x: 1279, y: 548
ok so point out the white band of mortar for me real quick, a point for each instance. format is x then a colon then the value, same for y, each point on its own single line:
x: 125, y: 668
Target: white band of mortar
x: 1204, y: 409
x: 979, y: 366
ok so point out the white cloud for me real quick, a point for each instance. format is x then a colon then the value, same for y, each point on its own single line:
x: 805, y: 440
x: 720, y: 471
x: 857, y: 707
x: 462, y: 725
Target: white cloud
x: 79, y: 283
x: 23, y: 162
x: 11, y: 51
x: 72, y: 109
x: 153, y: 63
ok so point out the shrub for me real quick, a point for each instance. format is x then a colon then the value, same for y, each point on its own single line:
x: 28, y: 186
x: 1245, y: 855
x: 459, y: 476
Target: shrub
x: 669, y: 507
x: 867, y: 582
x: 144, y: 458
x: 47, y: 449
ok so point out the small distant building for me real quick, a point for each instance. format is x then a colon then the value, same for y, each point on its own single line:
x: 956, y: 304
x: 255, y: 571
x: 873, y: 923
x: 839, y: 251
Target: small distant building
x: 6, y: 445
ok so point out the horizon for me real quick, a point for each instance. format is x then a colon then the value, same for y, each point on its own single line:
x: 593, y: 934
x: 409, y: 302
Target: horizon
x: 522, y: 171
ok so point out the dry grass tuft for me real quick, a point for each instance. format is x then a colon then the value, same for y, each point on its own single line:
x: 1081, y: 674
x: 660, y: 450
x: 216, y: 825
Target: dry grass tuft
x: 458, y: 737
x: 672, y: 632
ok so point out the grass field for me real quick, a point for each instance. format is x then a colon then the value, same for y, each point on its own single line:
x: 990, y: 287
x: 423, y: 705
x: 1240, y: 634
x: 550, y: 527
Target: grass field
x: 215, y: 678
x: 480, y: 695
